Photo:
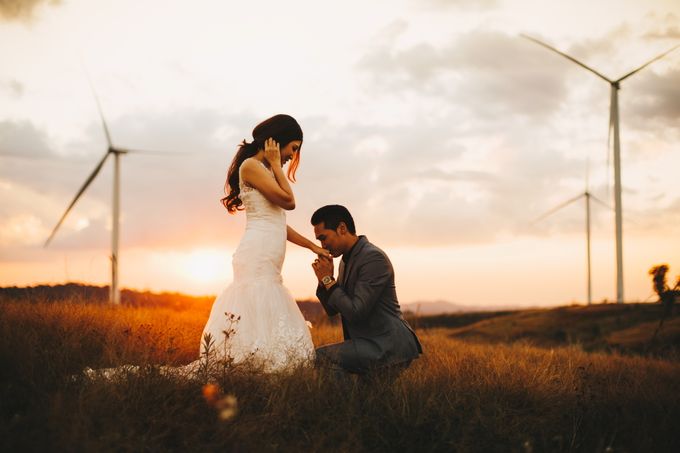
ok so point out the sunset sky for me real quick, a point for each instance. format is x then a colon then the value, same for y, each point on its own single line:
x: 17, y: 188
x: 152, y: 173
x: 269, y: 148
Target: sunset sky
x: 442, y: 130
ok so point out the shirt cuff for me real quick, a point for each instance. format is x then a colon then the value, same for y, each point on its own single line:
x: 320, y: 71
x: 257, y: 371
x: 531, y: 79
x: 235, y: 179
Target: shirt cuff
x: 330, y: 291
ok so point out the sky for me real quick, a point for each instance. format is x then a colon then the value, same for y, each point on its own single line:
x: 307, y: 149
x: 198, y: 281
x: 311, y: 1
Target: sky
x: 442, y: 130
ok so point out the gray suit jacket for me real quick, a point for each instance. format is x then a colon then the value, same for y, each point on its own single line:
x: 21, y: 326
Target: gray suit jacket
x: 375, y: 331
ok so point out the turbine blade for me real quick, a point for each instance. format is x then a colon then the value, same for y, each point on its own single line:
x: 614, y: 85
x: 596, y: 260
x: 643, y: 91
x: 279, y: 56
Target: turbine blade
x: 99, y: 108
x: 80, y: 192
x: 557, y: 208
x: 606, y: 205
x: 568, y: 57
x: 647, y: 64
x: 626, y: 219
x: 601, y: 202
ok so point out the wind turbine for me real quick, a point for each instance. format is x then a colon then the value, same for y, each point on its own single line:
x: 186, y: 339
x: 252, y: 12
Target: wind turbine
x: 613, y: 125
x: 588, y: 196
x: 114, y: 292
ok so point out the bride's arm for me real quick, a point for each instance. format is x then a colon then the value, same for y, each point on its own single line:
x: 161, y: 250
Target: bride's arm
x: 298, y: 239
x: 277, y: 191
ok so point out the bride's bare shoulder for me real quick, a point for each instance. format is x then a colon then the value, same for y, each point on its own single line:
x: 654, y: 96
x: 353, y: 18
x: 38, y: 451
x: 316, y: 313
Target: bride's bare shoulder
x: 252, y: 170
x: 252, y: 164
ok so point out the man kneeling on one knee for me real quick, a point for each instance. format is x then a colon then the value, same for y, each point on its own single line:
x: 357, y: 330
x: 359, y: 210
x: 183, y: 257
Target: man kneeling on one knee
x: 377, y: 337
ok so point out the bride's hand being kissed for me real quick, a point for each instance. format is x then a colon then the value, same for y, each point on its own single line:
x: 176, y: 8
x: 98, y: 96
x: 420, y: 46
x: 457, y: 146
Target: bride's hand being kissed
x: 322, y: 252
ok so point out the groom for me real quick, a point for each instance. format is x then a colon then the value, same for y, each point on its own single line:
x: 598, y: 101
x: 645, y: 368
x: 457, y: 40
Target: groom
x: 376, y: 335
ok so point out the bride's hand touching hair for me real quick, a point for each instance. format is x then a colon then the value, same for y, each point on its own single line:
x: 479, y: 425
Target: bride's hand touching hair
x: 272, y: 152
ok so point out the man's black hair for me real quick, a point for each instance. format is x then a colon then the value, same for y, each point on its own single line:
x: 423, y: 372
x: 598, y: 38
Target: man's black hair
x: 331, y: 215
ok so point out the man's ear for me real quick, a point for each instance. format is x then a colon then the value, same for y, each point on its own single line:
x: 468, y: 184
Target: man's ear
x: 342, y: 228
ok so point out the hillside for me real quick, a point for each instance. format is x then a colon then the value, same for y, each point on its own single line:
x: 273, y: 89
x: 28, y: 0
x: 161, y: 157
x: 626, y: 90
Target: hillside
x: 610, y: 327
x: 99, y: 295
x: 91, y: 294
x: 627, y: 328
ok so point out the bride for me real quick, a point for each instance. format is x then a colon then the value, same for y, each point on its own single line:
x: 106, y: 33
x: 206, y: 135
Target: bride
x: 256, y: 318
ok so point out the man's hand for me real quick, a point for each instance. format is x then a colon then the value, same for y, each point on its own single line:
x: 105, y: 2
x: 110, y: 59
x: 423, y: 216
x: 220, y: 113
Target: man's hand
x: 323, y: 266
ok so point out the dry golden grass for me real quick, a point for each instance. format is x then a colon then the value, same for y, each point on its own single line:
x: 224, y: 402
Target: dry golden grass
x: 641, y: 336
x: 457, y: 397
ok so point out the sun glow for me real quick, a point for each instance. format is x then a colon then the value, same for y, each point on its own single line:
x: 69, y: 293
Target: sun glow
x: 204, y: 265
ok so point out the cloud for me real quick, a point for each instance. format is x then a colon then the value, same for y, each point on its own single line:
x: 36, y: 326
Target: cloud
x: 610, y: 53
x: 22, y: 230
x: 663, y: 27
x: 22, y: 10
x: 433, y: 183
x: 591, y: 50
x: 167, y: 200
x: 659, y: 217
x: 656, y: 100
x: 487, y: 73
x: 23, y: 139
x: 13, y: 88
x: 22, y: 223
x: 474, y: 5
x: 670, y: 32
x: 426, y: 182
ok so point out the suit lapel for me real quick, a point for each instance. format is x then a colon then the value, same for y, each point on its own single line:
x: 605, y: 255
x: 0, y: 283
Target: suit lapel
x: 343, y: 276
x: 341, y: 273
x: 346, y: 270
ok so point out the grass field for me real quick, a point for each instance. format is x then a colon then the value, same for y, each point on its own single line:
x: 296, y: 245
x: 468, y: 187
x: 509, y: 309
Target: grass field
x: 460, y: 395
x: 626, y: 328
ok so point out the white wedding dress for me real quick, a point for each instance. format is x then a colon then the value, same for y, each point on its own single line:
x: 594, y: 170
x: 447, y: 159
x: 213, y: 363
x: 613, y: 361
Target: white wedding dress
x: 270, y: 330
x: 264, y: 324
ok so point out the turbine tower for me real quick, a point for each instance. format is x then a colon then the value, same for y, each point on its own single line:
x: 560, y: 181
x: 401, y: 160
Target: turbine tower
x: 588, y: 196
x: 114, y: 292
x: 613, y: 127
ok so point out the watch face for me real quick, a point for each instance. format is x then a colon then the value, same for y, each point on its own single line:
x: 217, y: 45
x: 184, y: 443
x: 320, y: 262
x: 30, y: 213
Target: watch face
x: 326, y: 280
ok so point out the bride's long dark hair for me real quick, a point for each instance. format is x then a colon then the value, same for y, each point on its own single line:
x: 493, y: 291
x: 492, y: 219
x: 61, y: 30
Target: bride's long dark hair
x: 283, y: 129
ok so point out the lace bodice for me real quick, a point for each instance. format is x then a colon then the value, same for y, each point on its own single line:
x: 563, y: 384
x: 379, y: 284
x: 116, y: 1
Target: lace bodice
x: 258, y: 208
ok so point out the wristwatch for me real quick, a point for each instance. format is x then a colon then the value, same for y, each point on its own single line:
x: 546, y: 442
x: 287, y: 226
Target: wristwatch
x: 327, y: 280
